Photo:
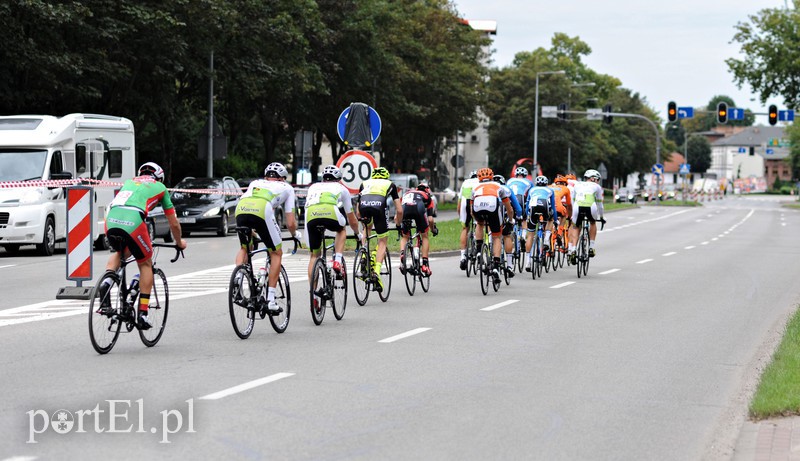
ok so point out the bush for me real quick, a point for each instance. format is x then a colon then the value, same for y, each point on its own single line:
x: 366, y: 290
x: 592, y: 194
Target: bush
x: 786, y: 190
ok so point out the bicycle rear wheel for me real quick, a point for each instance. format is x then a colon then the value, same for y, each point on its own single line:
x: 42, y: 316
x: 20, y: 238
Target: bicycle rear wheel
x: 536, y: 257
x: 339, y: 284
x: 103, y: 329
x: 361, y: 274
x: 484, y: 269
x: 241, y: 293
x: 157, y: 310
x: 386, y: 276
x: 320, y: 294
x: 410, y: 270
x: 283, y: 297
x: 583, y: 253
x: 424, y: 280
x: 470, y: 253
x: 519, y: 249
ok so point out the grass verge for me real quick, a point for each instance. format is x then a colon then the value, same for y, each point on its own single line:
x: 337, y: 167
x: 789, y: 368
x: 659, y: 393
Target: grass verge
x: 447, y: 240
x: 778, y: 393
x: 796, y: 206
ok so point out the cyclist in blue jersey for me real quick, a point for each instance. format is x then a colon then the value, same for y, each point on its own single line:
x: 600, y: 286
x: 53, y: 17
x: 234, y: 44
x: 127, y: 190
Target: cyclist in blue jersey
x: 520, y: 184
x: 540, y: 201
x: 508, y: 224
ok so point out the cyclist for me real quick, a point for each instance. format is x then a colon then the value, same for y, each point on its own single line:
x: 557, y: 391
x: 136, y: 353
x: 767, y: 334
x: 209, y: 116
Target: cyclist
x: 374, y: 194
x: 256, y: 211
x: 540, y: 201
x: 520, y: 184
x: 327, y: 204
x: 508, y: 224
x: 418, y: 207
x: 465, y: 213
x: 126, y: 228
x: 563, y: 199
x: 587, y: 196
x: 487, y: 211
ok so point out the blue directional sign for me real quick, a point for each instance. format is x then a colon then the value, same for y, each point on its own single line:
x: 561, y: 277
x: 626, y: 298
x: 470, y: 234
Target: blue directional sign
x: 685, y: 112
x: 770, y: 151
x: 658, y: 169
x: 734, y: 113
x: 742, y: 150
x: 685, y: 168
x: 786, y: 115
x: 375, y: 123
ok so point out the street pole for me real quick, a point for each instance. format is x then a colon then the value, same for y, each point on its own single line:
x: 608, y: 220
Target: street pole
x: 210, y: 164
x: 536, y: 121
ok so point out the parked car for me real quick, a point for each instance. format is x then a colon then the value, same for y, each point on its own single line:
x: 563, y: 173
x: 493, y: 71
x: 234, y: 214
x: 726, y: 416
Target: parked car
x: 212, y: 211
x: 626, y: 195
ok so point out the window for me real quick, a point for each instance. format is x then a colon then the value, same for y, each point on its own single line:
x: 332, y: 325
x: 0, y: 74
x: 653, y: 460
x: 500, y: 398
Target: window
x: 115, y: 164
x: 80, y: 160
x: 56, y: 163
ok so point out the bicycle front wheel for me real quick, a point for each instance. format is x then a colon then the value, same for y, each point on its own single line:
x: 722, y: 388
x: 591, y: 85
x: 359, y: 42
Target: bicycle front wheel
x: 241, y: 292
x: 157, y: 310
x: 583, y: 253
x: 319, y: 292
x: 484, y: 269
x: 470, y: 253
x: 283, y: 297
x: 103, y: 328
x: 424, y: 280
x: 409, y: 267
x: 361, y: 276
x: 386, y: 276
x: 339, y: 284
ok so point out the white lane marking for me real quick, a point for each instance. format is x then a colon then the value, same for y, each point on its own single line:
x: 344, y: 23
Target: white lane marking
x: 704, y: 243
x: 7, y: 265
x: 644, y: 261
x: 783, y: 224
x: 647, y: 220
x: 698, y: 220
x: 562, y: 285
x: 499, y: 305
x: 245, y: 386
x: 21, y: 458
x: 413, y: 332
x: 669, y: 254
x: 689, y: 247
x: 610, y: 271
x: 715, y: 239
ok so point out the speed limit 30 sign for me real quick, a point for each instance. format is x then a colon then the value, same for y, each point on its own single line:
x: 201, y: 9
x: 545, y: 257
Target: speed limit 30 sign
x: 356, y: 166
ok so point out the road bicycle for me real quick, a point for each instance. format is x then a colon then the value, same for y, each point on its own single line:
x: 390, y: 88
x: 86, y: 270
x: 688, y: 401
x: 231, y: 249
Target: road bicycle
x: 327, y: 287
x: 582, y: 248
x: 537, y: 255
x: 247, y: 294
x: 110, y: 308
x: 488, y: 272
x: 411, y: 263
x: 472, y: 251
x: 365, y: 279
x: 558, y: 245
x: 519, y: 247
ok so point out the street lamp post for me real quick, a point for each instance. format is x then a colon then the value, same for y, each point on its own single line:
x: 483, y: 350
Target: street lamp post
x: 536, y: 120
x: 569, y: 101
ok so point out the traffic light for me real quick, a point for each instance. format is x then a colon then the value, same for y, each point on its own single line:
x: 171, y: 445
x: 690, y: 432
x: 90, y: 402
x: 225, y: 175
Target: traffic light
x: 773, y: 114
x: 606, y: 117
x: 561, y: 112
x: 722, y: 112
x: 672, y: 111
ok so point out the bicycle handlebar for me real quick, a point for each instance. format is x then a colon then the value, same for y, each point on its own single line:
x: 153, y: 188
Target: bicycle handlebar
x: 178, y: 251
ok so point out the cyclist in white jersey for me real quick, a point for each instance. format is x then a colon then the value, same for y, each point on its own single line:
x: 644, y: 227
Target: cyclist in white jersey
x: 464, y: 213
x: 587, y: 203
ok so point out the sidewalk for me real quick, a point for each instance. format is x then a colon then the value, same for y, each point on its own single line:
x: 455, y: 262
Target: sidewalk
x: 770, y: 439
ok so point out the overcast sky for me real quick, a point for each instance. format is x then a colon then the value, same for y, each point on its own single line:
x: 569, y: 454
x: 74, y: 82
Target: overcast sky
x: 664, y: 50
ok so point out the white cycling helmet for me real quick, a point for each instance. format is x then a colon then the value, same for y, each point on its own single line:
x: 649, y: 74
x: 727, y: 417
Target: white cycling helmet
x: 276, y: 170
x: 521, y: 171
x: 152, y: 169
x: 331, y: 173
x: 592, y: 174
x: 542, y: 181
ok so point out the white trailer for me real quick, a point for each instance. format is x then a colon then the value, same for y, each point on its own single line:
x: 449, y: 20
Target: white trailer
x: 43, y: 147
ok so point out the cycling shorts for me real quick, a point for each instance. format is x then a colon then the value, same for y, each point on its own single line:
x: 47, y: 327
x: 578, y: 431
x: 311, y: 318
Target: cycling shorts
x: 267, y: 229
x: 463, y: 212
x: 375, y: 216
x: 315, y: 229
x: 490, y: 219
x: 584, y: 212
x: 126, y: 228
x: 418, y: 214
x: 536, y: 211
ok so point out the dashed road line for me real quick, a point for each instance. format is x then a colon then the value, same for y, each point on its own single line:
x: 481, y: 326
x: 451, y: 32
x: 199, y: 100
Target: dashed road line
x: 644, y: 261
x: 413, y: 332
x: 7, y: 265
x: 562, y: 285
x: 610, y: 271
x: 704, y: 243
x: 689, y: 247
x: 669, y: 254
x: 499, y: 305
x: 246, y: 386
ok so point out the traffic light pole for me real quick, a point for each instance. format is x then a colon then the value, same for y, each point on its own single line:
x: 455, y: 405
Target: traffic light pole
x: 626, y: 115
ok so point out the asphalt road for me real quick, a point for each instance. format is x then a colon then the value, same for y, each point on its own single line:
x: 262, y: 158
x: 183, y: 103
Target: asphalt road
x: 649, y: 357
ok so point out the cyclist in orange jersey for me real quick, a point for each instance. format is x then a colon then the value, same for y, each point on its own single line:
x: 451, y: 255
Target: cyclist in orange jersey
x: 563, y: 200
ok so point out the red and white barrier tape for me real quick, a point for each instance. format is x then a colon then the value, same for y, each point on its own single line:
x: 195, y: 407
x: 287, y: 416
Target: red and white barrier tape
x: 98, y: 183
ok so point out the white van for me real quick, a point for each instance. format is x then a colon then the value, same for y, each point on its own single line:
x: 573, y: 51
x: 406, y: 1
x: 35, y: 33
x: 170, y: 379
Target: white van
x: 43, y: 147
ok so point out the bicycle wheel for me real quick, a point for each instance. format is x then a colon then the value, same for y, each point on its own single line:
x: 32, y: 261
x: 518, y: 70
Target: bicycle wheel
x: 583, y: 252
x: 320, y: 293
x: 339, y: 284
x: 157, y: 310
x: 504, y: 269
x: 536, y: 250
x: 241, y: 294
x: 424, y: 280
x: 586, y: 258
x: 519, y: 250
x: 283, y: 297
x: 470, y: 253
x: 103, y: 328
x: 386, y: 276
x: 410, y: 270
x: 361, y: 282
x: 484, y: 268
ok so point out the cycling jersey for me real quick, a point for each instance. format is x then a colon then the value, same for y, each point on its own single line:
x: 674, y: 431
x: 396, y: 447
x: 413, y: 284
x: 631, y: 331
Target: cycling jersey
x: 563, y: 199
x: 327, y: 203
x: 374, y: 194
x: 465, y: 195
x: 256, y: 209
x: 540, y: 201
x: 486, y: 199
x: 417, y: 205
x: 128, y: 212
x: 520, y: 187
x: 587, y: 198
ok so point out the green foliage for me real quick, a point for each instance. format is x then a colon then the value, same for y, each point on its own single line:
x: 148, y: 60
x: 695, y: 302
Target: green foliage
x: 699, y: 153
x: 778, y: 393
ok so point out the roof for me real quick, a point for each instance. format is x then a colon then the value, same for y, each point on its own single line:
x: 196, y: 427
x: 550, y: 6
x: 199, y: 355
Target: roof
x: 673, y: 165
x: 482, y: 25
x: 752, y: 136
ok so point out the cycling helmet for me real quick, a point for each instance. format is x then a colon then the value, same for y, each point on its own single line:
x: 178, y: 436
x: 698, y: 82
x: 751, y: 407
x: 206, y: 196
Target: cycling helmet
x: 424, y: 188
x: 485, y: 174
x: 152, y: 169
x: 499, y: 178
x: 560, y: 179
x: 521, y: 171
x: 592, y: 174
x: 276, y: 170
x: 571, y: 177
x: 331, y: 173
x: 380, y: 173
x: 542, y: 181
x: 473, y: 174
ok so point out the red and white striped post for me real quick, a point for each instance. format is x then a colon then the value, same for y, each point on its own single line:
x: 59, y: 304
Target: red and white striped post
x: 79, y: 233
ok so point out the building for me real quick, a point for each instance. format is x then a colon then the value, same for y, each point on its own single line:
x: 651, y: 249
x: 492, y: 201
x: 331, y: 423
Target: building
x: 754, y: 152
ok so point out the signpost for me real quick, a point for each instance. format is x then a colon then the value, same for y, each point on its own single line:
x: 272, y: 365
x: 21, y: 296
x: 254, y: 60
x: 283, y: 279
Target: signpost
x: 356, y: 166
x: 734, y: 113
x: 685, y: 112
x: 786, y: 115
x: 658, y: 169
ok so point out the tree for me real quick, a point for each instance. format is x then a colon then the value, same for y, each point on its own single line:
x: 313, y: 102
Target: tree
x: 699, y: 154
